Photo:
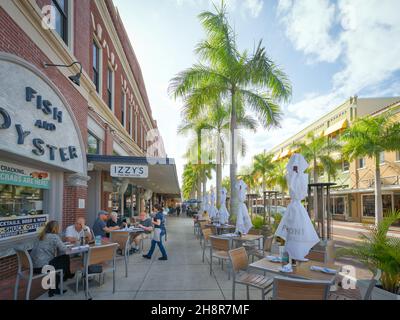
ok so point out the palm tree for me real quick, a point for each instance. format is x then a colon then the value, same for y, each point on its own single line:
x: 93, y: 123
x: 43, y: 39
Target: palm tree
x: 195, y: 125
x: 218, y: 120
x: 263, y: 166
x: 191, y: 175
x: 318, y: 153
x: 368, y: 137
x: 278, y: 177
x: 245, y: 80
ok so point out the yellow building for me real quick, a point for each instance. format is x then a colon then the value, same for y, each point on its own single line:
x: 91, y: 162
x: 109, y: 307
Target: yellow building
x: 353, y: 195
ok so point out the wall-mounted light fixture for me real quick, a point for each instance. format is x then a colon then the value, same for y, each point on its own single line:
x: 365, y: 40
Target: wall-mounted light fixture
x: 75, y: 78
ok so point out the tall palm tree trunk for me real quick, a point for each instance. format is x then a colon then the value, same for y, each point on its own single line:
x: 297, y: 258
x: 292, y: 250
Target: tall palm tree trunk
x: 199, y: 164
x: 198, y: 189
x: 378, y: 192
x: 219, y: 170
x: 233, y: 165
x: 315, y: 198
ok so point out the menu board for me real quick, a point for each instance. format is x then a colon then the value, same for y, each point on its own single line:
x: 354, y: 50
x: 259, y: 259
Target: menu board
x: 14, y: 227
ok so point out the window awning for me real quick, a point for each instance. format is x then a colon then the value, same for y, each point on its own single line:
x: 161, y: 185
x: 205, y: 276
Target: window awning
x: 284, y: 154
x: 276, y: 157
x: 162, y: 177
x: 336, y: 127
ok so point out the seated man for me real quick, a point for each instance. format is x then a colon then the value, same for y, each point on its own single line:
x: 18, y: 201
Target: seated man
x: 113, y: 222
x: 100, y: 227
x: 77, y: 231
x: 144, y: 222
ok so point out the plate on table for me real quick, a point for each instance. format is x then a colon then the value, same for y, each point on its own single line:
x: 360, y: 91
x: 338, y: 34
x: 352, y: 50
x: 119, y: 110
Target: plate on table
x: 274, y: 259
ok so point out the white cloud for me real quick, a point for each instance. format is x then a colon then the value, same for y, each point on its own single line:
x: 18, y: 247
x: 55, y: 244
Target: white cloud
x: 250, y: 8
x: 308, y: 25
x: 365, y: 42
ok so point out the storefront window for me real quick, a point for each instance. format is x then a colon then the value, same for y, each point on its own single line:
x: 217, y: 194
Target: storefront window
x: 338, y: 205
x: 93, y: 144
x: 369, y: 204
x: 17, y: 201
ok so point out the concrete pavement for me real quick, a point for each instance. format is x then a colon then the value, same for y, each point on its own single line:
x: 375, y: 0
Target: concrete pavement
x: 183, y: 277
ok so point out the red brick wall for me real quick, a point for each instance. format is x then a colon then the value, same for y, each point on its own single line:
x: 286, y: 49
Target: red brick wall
x: 70, y: 203
x: 8, y: 267
x: 13, y: 40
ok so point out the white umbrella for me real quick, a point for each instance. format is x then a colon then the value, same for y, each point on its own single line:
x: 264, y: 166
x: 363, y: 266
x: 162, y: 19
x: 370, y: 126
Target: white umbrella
x: 223, y: 211
x: 243, y: 221
x: 212, y: 210
x: 204, y: 205
x: 296, y: 227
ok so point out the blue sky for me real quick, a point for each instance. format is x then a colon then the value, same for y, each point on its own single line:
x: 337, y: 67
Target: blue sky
x: 329, y: 49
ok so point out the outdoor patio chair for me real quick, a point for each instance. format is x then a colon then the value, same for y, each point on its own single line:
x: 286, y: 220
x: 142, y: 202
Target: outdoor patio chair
x: 202, y: 227
x: 348, y: 294
x: 261, y: 253
x: 124, y: 240
x: 240, y: 264
x: 103, y: 255
x: 206, y: 240
x: 219, y: 249
x: 285, y: 288
x: 25, y: 271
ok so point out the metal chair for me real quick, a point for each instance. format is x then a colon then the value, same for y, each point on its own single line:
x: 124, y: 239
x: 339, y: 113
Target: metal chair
x: 261, y: 253
x: 104, y: 254
x: 206, y: 243
x: 285, y: 288
x: 124, y: 240
x: 219, y: 249
x: 25, y: 271
x: 240, y: 264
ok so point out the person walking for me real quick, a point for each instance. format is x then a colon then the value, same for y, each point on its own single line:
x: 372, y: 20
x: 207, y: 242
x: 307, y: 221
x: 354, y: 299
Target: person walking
x: 159, y: 232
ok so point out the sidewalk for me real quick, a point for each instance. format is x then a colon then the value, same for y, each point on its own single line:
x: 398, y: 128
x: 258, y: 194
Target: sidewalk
x: 183, y: 277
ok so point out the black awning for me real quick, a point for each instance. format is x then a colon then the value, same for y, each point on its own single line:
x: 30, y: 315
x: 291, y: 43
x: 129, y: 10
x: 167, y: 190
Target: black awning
x: 162, y: 177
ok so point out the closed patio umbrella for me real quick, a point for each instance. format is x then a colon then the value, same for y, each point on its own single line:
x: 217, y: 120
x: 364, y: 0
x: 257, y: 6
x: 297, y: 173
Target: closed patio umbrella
x: 243, y: 221
x: 223, y: 211
x: 296, y: 227
x: 212, y: 210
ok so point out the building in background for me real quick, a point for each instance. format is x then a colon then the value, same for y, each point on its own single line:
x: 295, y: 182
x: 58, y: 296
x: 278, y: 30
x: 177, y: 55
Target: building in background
x: 353, y: 195
x: 61, y: 131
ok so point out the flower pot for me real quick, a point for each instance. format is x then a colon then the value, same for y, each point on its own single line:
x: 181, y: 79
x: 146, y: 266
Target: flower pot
x: 377, y: 293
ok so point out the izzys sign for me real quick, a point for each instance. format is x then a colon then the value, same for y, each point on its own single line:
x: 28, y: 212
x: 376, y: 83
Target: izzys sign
x: 34, y: 121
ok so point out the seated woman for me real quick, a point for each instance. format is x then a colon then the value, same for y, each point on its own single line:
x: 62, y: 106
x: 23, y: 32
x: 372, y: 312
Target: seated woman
x: 49, y: 250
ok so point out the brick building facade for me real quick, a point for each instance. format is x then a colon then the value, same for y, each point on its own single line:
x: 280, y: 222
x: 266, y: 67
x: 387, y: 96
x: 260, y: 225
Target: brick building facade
x: 110, y: 111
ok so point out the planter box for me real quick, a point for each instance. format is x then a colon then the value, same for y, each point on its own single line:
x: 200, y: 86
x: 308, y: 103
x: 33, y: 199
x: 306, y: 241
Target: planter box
x: 377, y: 293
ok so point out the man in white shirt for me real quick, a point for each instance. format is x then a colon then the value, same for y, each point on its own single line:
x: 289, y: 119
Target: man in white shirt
x: 74, y: 233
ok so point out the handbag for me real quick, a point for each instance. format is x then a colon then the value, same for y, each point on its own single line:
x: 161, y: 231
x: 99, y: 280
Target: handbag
x: 95, y: 268
x: 157, y: 234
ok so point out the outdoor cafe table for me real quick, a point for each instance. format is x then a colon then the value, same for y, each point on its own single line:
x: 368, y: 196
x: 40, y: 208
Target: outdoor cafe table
x: 243, y: 238
x: 302, y: 270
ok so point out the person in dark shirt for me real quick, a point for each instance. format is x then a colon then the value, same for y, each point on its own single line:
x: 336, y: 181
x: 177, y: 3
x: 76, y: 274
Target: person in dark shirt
x: 100, y: 226
x: 158, y: 234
